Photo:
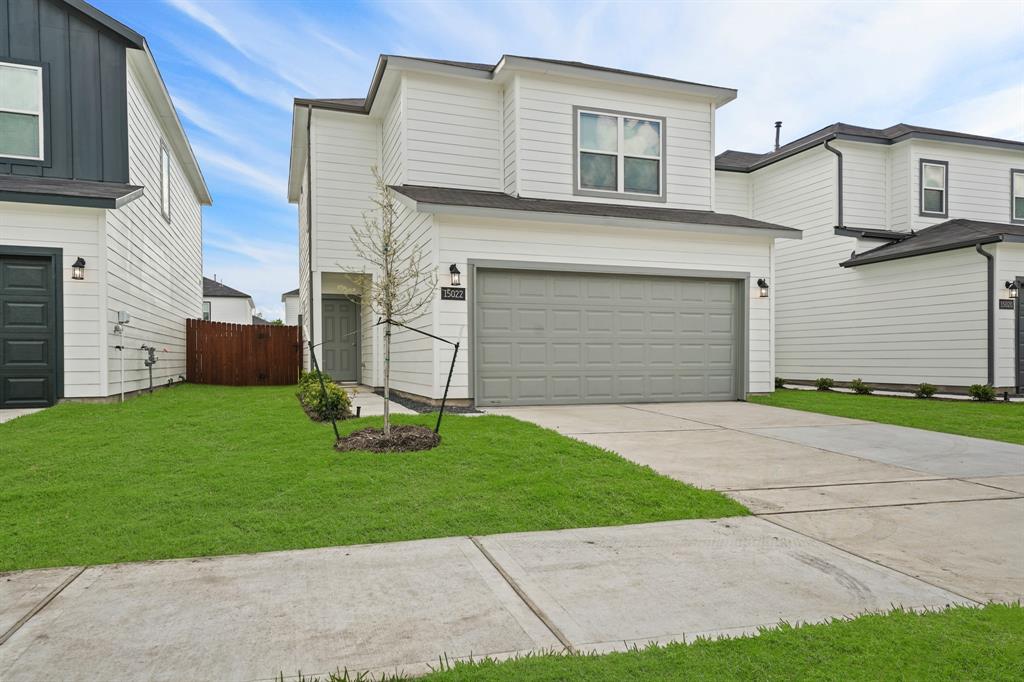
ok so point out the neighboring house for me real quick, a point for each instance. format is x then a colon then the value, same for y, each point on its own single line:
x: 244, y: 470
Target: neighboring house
x: 100, y: 208
x: 256, y: 319
x: 221, y: 303
x: 291, y: 307
x: 911, y: 236
x: 576, y: 203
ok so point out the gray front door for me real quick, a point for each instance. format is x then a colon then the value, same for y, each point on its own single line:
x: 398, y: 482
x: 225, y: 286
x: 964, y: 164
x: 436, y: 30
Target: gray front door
x: 569, y: 337
x: 341, y: 338
x: 28, y: 332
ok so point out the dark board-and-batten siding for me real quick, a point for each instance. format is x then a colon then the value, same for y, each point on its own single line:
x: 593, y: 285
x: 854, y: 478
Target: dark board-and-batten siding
x: 86, y: 98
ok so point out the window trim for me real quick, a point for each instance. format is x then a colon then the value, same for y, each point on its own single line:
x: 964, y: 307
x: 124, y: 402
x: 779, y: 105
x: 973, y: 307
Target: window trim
x: 208, y: 311
x: 661, y: 197
x: 44, y: 114
x: 164, y: 151
x: 1013, y: 218
x: 920, y: 188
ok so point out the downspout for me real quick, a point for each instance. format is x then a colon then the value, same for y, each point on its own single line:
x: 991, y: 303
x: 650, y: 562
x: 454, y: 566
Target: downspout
x: 839, y: 156
x: 309, y: 215
x: 989, y: 290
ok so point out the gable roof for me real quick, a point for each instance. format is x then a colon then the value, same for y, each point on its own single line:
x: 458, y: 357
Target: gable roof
x: 745, y: 162
x: 952, y: 234
x: 256, y: 319
x: 429, y: 199
x: 214, y: 289
x: 293, y: 292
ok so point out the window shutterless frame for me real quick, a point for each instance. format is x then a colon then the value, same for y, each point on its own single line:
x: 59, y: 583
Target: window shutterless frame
x: 922, y: 187
x: 620, y: 154
x: 1017, y: 195
x: 207, y: 310
x: 42, y: 82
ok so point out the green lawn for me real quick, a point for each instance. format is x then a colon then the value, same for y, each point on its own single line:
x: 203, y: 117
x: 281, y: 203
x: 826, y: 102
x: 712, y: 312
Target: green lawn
x: 960, y: 643
x: 995, y: 420
x: 205, y: 470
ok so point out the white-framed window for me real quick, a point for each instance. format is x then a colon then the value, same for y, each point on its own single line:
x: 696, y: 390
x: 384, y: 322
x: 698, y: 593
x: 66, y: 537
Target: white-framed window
x: 934, y: 186
x: 21, y: 111
x: 207, y: 310
x: 165, y: 182
x: 619, y: 154
x: 1017, y: 195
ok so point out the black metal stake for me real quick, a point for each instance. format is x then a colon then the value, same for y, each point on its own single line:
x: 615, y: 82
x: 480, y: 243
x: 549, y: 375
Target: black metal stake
x: 444, y: 398
x: 323, y: 387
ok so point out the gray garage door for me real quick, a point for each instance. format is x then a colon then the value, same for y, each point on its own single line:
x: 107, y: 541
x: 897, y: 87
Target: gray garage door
x: 566, y: 337
x: 28, y: 330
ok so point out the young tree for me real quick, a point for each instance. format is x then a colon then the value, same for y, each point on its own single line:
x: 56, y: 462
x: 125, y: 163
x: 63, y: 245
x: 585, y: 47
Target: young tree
x: 401, y: 282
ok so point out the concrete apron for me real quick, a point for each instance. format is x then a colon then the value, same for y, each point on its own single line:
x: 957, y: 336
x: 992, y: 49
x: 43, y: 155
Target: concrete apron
x: 401, y: 607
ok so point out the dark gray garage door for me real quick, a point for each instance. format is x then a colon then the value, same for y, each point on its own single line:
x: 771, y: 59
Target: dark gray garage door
x: 28, y: 329
x: 567, y: 337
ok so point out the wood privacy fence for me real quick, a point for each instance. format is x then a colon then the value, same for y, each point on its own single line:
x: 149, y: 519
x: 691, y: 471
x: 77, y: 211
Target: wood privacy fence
x: 242, y: 354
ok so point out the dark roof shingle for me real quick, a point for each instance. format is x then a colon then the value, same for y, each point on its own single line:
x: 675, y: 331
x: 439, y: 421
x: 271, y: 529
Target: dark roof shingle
x: 952, y: 234
x: 213, y: 288
x: 90, y: 193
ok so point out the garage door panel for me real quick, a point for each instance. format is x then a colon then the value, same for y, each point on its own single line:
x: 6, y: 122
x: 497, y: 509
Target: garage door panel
x: 24, y: 353
x: 593, y: 338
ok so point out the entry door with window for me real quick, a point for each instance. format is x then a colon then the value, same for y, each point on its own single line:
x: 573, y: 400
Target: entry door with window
x: 340, y: 348
x: 28, y: 332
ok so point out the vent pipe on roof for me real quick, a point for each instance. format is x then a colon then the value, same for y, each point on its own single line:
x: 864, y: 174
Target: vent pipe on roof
x: 778, y: 131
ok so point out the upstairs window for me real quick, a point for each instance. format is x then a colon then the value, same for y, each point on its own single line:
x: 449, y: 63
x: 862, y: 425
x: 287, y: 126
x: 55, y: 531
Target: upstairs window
x: 934, y: 188
x: 1017, y: 195
x: 21, y: 111
x: 619, y: 155
x: 165, y: 182
x: 206, y: 310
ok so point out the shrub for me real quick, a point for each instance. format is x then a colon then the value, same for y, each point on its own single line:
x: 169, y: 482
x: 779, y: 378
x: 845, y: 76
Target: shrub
x: 824, y: 384
x: 860, y: 387
x: 780, y: 382
x: 925, y: 390
x: 323, y: 402
x: 982, y: 392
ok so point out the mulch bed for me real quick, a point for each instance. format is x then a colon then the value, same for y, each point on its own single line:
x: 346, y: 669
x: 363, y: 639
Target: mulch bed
x: 405, y: 438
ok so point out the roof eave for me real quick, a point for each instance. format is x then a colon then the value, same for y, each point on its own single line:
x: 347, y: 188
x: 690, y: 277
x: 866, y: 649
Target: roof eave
x: 953, y: 246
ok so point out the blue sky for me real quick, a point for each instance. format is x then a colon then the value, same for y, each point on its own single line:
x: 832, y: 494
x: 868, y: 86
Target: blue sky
x: 234, y: 67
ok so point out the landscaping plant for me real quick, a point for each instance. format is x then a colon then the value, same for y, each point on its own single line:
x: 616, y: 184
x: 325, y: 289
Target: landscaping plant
x: 323, y: 399
x: 982, y: 393
x: 860, y: 387
x: 780, y: 382
x: 925, y: 390
x: 824, y: 384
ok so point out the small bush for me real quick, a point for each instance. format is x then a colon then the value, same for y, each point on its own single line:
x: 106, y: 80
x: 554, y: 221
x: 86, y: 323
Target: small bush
x: 925, y: 390
x: 982, y: 393
x: 780, y: 382
x: 323, y: 402
x: 824, y: 384
x: 860, y: 387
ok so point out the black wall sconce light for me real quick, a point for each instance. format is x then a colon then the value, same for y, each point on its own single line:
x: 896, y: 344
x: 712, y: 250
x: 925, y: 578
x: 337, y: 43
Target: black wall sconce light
x: 762, y: 285
x: 1013, y: 289
x: 78, y: 269
x: 456, y: 275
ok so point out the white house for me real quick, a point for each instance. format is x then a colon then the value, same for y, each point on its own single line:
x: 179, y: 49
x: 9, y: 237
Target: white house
x: 222, y: 303
x: 100, y: 209
x: 576, y: 203
x: 913, y: 246
x: 291, y: 307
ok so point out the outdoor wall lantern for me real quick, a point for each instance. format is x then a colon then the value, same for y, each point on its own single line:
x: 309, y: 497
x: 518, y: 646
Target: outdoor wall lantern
x: 456, y: 279
x: 1013, y: 289
x: 78, y: 269
x: 762, y: 285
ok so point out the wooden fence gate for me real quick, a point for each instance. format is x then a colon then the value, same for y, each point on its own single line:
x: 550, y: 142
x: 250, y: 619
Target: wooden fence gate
x: 242, y: 354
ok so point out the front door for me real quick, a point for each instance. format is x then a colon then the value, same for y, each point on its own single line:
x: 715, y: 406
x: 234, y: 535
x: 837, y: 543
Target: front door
x: 28, y: 331
x: 341, y: 338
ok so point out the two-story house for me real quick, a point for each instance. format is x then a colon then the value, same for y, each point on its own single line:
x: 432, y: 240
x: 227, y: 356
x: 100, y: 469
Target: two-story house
x: 572, y: 208
x: 222, y: 303
x: 912, y: 256
x: 100, y: 209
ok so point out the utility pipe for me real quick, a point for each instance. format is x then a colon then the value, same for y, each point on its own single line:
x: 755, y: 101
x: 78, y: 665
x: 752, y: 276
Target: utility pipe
x: 839, y: 156
x: 990, y: 288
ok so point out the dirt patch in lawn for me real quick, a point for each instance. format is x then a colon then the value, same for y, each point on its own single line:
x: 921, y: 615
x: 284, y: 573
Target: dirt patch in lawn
x: 405, y: 438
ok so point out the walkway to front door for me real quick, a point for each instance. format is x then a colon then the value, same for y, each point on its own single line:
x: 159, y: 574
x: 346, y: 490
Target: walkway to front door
x: 341, y: 338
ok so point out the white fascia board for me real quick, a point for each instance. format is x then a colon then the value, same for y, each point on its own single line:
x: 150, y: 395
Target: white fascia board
x: 716, y: 94
x: 609, y: 221
x: 297, y: 158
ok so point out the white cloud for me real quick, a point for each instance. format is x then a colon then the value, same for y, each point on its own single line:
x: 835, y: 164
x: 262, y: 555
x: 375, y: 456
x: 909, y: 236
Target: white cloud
x: 240, y: 171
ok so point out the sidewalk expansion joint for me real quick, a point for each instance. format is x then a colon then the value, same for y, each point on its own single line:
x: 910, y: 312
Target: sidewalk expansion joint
x: 888, y: 504
x: 41, y: 605
x: 521, y: 593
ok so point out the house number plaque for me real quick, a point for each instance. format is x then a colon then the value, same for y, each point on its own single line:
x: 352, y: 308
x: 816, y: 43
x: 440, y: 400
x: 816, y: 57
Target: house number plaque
x: 1006, y: 304
x: 453, y: 294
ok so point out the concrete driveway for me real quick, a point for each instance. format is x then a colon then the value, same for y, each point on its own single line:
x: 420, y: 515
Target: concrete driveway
x: 943, y: 508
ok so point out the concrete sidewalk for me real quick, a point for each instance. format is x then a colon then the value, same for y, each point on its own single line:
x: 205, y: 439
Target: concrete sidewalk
x: 399, y: 607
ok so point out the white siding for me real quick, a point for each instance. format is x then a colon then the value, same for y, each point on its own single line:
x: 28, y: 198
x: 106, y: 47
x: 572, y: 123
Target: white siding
x: 454, y: 132
x: 291, y: 310
x: 304, y: 266
x: 510, y: 143
x: 900, y: 193
x: 732, y: 193
x: 865, y: 184
x: 230, y: 309
x: 546, y: 150
x: 393, y: 141
x: 155, y: 266
x: 78, y: 232
x: 1009, y: 266
x: 462, y: 239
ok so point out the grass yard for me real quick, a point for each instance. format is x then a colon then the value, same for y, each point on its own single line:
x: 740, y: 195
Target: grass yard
x: 205, y: 470
x: 960, y: 643
x: 995, y: 420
